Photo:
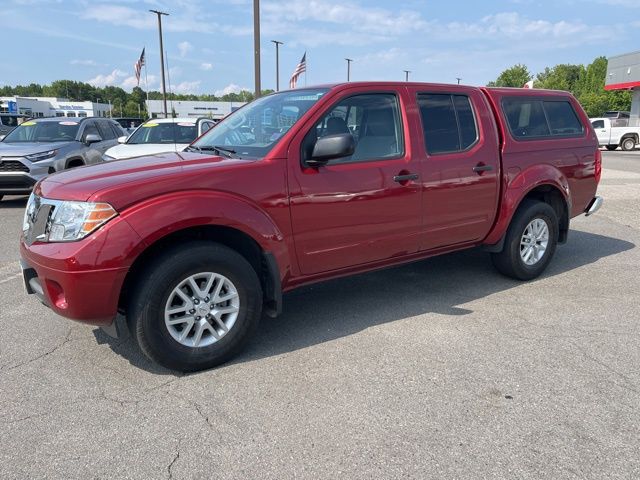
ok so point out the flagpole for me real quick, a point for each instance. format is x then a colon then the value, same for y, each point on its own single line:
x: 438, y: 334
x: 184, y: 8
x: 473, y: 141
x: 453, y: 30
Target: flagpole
x: 146, y: 84
x: 306, y: 67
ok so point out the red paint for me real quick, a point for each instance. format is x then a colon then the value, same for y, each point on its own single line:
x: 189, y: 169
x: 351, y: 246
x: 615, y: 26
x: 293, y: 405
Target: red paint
x: 622, y: 86
x: 318, y: 223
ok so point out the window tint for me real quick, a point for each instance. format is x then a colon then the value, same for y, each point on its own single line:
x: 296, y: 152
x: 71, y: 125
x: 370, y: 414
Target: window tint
x: 533, y: 117
x: 562, y: 118
x: 105, y: 130
x: 117, y: 131
x: 448, y: 122
x: 374, y: 122
x: 598, y: 124
x: 90, y: 129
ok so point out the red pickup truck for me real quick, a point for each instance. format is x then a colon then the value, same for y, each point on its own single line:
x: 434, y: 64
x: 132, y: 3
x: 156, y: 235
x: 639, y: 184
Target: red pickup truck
x: 187, y: 250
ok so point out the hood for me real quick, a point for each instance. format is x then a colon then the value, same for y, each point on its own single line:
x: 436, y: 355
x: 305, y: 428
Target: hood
x: 20, y: 149
x: 125, y: 182
x: 127, y: 150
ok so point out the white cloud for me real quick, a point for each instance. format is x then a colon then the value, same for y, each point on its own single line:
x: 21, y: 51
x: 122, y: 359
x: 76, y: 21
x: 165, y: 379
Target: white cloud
x: 130, y: 82
x: 231, y: 88
x: 184, y: 48
x: 84, y: 63
x: 112, y: 78
x: 187, y: 87
x: 206, y: 67
x: 175, y: 72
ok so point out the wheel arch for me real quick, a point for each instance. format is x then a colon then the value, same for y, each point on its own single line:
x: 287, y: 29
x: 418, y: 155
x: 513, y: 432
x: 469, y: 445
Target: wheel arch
x: 74, y: 162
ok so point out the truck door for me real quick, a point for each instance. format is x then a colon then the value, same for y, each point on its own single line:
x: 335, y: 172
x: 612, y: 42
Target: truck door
x: 603, y: 133
x: 362, y: 208
x: 460, y: 165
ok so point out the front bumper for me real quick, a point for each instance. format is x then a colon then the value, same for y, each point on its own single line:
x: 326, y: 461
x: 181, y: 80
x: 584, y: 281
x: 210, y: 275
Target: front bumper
x: 594, y: 206
x: 18, y: 175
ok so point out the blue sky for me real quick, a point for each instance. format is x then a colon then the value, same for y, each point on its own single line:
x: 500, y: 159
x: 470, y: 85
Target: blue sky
x: 210, y: 42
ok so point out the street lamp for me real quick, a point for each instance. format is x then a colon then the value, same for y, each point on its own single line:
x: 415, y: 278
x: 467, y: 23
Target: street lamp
x: 348, y: 68
x: 256, y: 45
x: 406, y: 75
x: 164, y: 88
x: 277, y: 44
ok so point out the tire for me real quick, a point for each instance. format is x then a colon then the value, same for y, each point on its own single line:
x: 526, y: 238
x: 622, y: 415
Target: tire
x: 1, y: 197
x: 149, y: 319
x: 611, y: 148
x: 628, y: 144
x: 510, y: 261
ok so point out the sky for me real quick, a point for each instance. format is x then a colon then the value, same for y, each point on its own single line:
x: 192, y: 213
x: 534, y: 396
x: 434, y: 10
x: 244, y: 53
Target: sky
x: 209, y: 43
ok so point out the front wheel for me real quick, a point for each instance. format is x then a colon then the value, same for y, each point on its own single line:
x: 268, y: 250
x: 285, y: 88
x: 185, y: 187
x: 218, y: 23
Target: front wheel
x: 196, y: 306
x: 530, y: 243
x: 628, y: 144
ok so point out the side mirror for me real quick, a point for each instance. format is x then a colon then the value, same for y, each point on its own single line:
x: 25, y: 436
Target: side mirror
x: 92, y: 138
x: 331, y: 147
x: 122, y: 139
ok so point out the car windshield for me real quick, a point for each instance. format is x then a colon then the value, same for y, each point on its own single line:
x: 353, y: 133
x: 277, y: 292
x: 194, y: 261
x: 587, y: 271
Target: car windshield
x: 30, y: 131
x: 253, y: 130
x: 156, y: 132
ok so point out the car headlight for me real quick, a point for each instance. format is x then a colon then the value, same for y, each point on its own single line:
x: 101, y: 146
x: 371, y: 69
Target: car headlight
x: 37, y: 157
x: 75, y: 220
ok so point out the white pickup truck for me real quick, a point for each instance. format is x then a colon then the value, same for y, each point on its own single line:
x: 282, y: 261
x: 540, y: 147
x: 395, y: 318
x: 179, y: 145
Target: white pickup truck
x: 614, y: 137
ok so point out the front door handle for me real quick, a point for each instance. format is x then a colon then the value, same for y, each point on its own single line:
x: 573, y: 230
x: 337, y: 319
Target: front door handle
x: 482, y: 168
x: 406, y: 177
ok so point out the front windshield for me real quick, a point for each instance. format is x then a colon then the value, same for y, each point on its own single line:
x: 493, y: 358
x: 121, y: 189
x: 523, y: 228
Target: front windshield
x: 30, y: 131
x: 253, y: 130
x: 155, y: 132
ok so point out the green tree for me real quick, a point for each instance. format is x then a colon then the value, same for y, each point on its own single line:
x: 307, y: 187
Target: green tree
x: 515, y: 76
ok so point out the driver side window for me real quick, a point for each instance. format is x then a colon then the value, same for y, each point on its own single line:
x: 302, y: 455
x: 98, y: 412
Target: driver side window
x: 373, y: 120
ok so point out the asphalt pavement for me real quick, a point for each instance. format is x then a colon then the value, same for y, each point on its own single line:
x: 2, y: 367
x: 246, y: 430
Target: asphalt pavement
x: 438, y: 369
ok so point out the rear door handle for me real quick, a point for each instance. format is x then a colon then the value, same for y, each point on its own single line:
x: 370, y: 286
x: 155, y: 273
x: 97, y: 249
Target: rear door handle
x: 406, y: 178
x: 482, y: 168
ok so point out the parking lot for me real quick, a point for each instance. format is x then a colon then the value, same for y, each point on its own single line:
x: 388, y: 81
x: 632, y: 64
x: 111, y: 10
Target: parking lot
x: 438, y: 369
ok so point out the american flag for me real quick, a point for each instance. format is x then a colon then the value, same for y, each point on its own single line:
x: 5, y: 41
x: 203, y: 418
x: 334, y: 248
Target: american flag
x: 138, y: 66
x: 300, y: 69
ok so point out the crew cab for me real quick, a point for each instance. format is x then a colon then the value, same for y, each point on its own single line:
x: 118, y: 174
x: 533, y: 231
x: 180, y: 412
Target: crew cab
x: 187, y: 250
x: 612, y: 137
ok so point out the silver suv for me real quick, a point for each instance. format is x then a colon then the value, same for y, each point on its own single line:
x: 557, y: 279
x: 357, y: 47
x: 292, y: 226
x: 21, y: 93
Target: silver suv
x: 43, y: 146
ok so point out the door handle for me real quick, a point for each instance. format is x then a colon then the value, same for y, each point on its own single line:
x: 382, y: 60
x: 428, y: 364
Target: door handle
x: 482, y: 168
x: 406, y: 178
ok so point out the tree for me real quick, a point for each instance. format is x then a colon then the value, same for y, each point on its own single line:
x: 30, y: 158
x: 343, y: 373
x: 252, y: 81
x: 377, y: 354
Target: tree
x: 515, y: 76
x: 561, y: 77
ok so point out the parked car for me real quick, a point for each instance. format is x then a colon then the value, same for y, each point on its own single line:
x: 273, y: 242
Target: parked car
x: 39, y: 147
x: 192, y: 247
x: 613, y: 137
x: 159, y: 136
x: 9, y: 121
x: 618, y: 118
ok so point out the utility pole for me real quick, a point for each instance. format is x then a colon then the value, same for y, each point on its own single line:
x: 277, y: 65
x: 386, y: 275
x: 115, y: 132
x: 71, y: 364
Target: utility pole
x: 349, y: 60
x: 256, y: 46
x: 406, y: 75
x: 277, y: 44
x: 164, y: 88
x: 458, y: 78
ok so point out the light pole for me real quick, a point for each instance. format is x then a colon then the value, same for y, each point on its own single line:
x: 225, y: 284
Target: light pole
x: 164, y: 88
x: 406, y: 75
x: 277, y: 44
x: 458, y: 79
x: 349, y: 60
x: 256, y: 45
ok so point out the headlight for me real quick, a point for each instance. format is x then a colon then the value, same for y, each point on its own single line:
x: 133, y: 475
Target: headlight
x: 37, y: 157
x: 75, y: 220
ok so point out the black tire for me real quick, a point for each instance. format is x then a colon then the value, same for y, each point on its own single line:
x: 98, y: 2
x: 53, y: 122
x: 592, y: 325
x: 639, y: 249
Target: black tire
x: 509, y: 262
x: 628, y: 144
x: 1, y: 197
x: 145, y: 311
x: 611, y: 148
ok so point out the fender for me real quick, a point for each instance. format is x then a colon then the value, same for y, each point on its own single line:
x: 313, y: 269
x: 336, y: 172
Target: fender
x: 160, y: 216
x: 518, y: 188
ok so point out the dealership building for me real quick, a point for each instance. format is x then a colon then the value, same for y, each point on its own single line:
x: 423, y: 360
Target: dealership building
x: 52, y: 107
x: 183, y: 108
x: 623, y: 73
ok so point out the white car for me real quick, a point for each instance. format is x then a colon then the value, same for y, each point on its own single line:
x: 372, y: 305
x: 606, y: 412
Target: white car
x: 612, y: 137
x: 159, y: 135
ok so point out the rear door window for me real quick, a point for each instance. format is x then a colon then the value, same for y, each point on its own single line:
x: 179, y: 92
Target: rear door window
x: 448, y: 122
x: 598, y: 124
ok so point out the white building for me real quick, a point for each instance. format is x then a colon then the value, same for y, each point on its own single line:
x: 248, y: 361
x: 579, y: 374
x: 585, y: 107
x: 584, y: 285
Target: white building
x: 623, y: 73
x: 52, y: 107
x: 184, y: 108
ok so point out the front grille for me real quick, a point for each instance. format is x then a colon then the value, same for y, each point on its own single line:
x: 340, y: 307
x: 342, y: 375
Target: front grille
x: 12, y: 166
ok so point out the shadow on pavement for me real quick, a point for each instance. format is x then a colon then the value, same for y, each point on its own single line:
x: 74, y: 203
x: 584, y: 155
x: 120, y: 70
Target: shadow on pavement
x: 338, y: 308
x: 14, y: 201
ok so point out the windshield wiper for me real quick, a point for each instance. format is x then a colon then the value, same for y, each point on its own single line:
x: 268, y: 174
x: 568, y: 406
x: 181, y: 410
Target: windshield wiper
x: 227, y: 152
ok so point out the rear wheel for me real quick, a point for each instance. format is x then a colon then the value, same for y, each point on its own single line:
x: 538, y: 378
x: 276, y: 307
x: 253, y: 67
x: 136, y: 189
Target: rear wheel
x: 628, y: 144
x: 530, y: 242
x: 611, y: 147
x: 196, y: 307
